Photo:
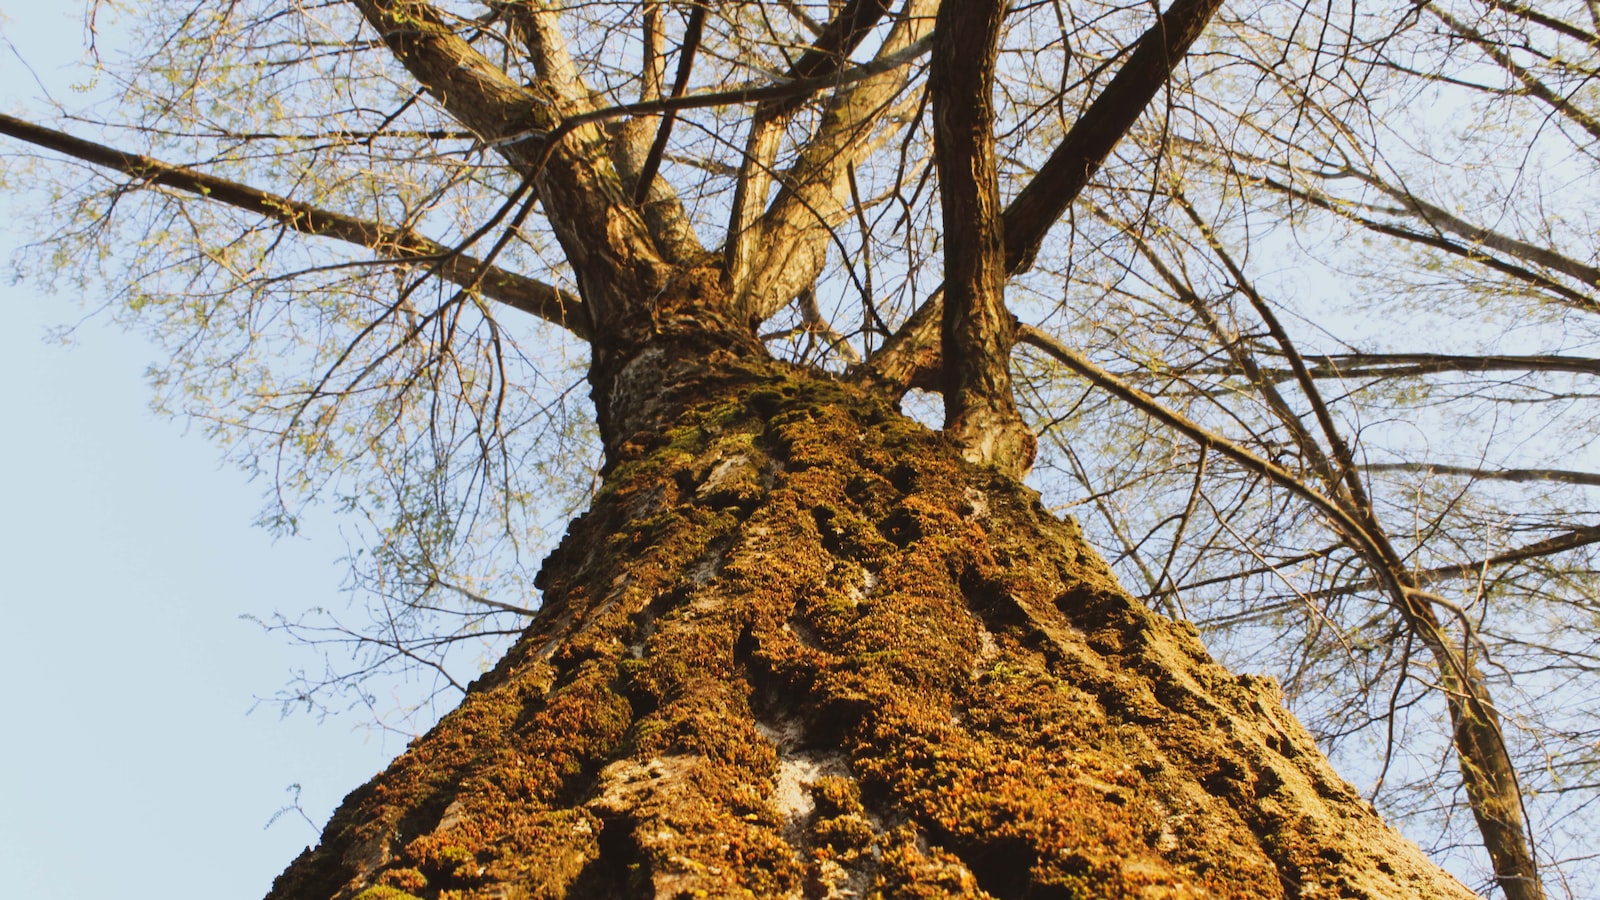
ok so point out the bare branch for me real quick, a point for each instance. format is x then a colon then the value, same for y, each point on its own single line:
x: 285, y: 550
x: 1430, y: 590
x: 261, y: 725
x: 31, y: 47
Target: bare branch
x: 827, y: 55
x: 1560, y: 476
x: 1535, y: 87
x: 1406, y: 365
x: 1073, y: 163
x: 399, y: 245
x: 794, y: 231
x: 1435, y: 239
x: 1063, y: 176
x: 559, y: 78
x: 1528, y: 13
x: 652, y: 159
x: 606, y: 241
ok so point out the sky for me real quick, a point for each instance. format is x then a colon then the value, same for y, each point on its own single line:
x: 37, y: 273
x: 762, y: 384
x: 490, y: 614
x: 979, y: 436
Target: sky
x: 135, y: 760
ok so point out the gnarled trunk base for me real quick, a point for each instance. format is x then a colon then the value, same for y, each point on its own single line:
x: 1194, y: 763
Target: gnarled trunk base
x: 799, y: 649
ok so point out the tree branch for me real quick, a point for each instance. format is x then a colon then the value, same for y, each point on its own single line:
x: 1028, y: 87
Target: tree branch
x: 1399, y: 365
x: 1068, y: 170
x: 559, y: 78
x: 826, y: 56
x: 1529, y: 14
x: 1429, y: 213
x: 1438, y: 241
x: 977, y: 332
x: 398, y: 244
x: 1062, y: 177
x: 606, y: 240
x: 788, y: 248
x: 1568, y: 540
x: 1588, y: 275
x: 1530, y: 82
x: 652, y: 159
x: 1561, y: 476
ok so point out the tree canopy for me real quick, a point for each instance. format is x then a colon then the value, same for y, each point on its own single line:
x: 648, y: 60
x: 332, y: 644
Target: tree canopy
x: 1299, y: 307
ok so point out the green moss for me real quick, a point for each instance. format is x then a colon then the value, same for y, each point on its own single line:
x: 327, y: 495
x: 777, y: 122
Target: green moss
x: 406, y: 879
x: 846, y: 583
x: 844, y: 834
x: 383, y: 892
x: 835, y: 796
x: 765, y: 401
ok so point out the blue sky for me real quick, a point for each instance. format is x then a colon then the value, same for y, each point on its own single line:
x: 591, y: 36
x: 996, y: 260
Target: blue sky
x: 132, y: 764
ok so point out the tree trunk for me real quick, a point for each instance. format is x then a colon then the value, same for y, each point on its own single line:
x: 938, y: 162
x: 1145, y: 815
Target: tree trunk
x: 799, y: 648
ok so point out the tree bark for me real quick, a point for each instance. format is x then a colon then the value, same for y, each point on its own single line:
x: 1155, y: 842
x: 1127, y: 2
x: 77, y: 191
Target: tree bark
x: 799, y: 648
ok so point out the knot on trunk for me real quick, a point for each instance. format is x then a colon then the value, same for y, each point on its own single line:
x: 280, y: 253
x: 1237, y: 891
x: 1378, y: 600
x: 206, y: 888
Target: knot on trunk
x: 994, y: 437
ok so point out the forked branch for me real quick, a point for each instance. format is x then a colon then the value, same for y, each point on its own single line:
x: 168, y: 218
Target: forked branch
x: 903, y: 359
x: 607, y: 242
x: 776, y: 256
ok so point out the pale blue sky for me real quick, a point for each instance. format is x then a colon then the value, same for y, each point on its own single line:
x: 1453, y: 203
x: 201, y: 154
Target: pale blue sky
x: 130, y: 763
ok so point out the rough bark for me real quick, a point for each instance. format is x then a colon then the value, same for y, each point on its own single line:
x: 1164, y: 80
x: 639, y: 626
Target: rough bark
x: 798, y: 647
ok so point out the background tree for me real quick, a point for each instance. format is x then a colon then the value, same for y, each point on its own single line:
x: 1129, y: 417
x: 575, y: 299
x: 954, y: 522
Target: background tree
x: 705, y: 177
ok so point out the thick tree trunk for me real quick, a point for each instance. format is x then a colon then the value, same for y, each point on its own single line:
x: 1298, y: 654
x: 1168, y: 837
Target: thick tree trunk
x: 798, y: 648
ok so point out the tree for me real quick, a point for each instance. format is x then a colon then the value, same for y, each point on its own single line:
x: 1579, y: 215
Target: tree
x: 797, y: 643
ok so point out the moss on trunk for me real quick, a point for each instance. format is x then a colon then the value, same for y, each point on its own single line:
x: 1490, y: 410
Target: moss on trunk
x: 798, y: 648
